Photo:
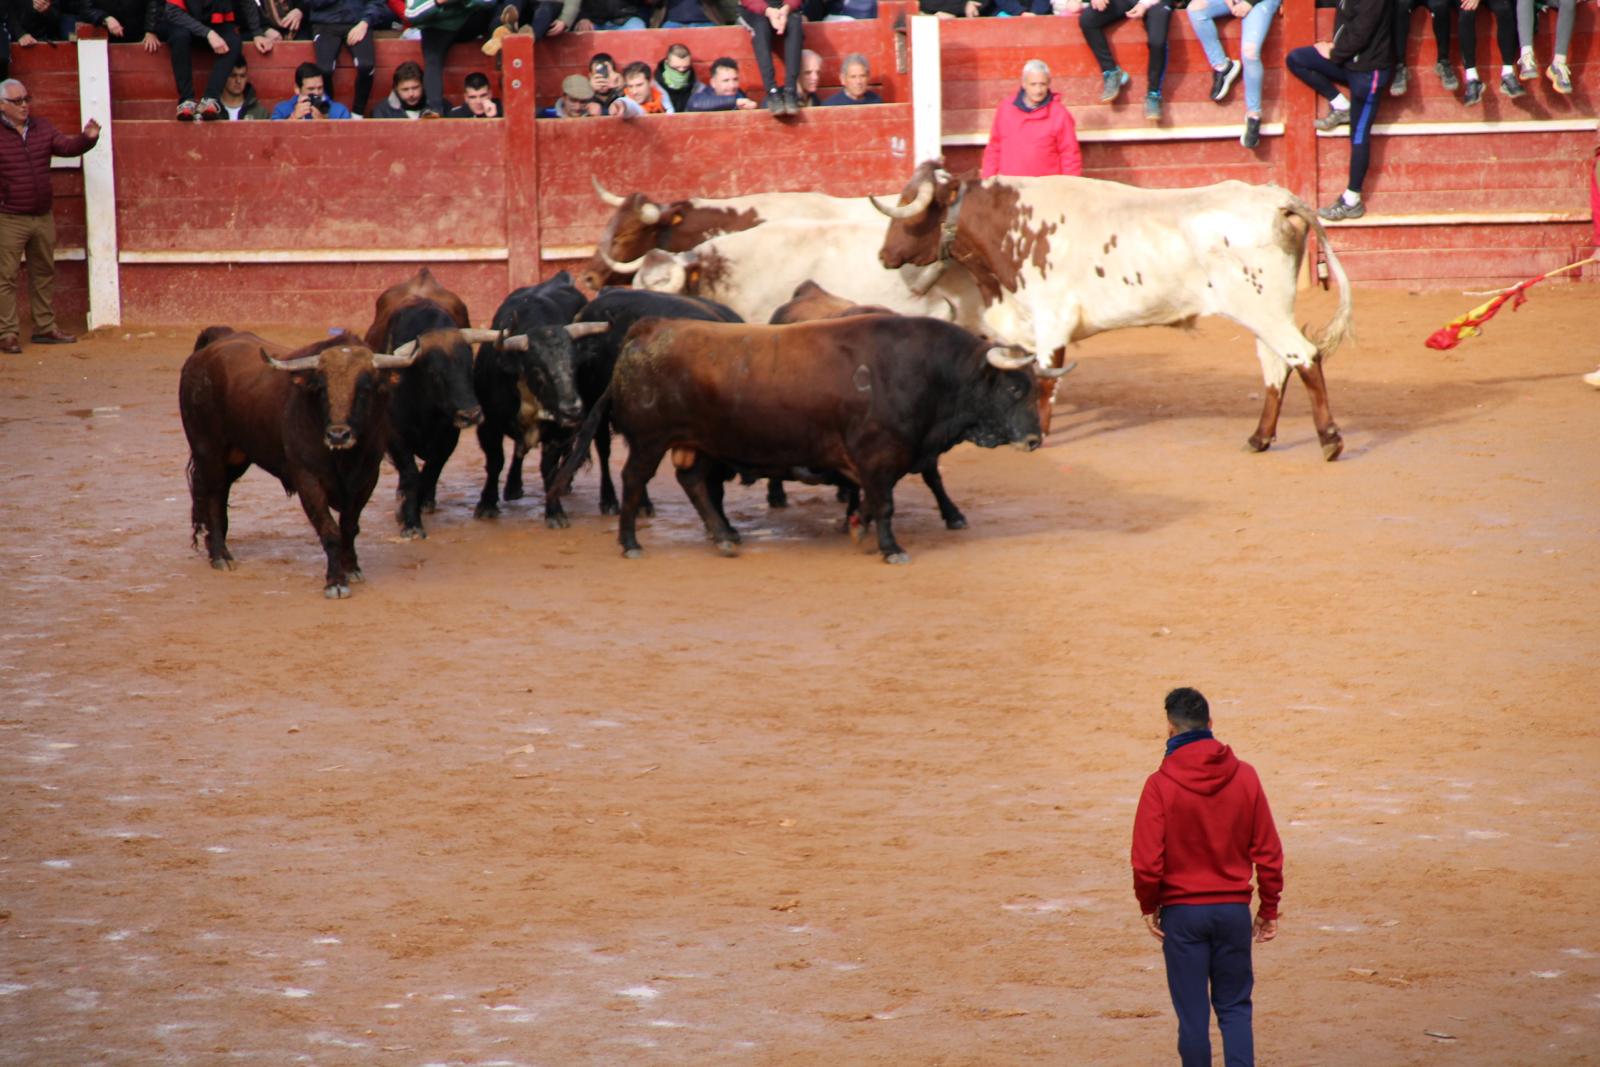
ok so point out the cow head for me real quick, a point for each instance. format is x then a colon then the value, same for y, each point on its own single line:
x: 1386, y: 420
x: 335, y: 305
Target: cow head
x: 345, y: 379
x: 543, y: 366
x: 444, y: 361
x: 635, y: 227
x: 1002, y: 398
x: 916, y: 222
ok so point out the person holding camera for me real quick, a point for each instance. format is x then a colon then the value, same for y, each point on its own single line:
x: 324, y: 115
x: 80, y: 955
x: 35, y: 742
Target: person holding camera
x: 310, y: 99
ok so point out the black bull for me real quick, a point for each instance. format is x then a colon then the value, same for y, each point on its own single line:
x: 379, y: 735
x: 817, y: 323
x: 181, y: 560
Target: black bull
x: 871, y: 398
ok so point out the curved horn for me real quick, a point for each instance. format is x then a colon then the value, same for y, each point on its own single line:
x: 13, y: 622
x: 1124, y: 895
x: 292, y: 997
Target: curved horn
x: 515, y: 343
x: 611, y: 199
x: 1000, y: 356
x: 576, y: 330
x: 400, y: 357
x: 908, y: 211
x: 303, y: 363
x: 481, y: 337
x: 1057, y: 372
x: 630, y: 267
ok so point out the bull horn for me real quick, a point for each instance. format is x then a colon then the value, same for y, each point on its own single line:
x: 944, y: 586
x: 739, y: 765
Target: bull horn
x: 1057, y: 372
x: 611, y: 199
x: 303, y: 363
x: 630, y: 267
x: 1000, y: 356
x: 576, y: 330
x: 481, y: 337
x: 515, y: 343
x: 400, y: 357
x: 908, y: 211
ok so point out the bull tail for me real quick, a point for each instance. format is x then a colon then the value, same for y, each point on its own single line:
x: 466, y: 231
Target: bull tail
x: 580, y: 447
x: 1342, y: 326
x: 196, y: 511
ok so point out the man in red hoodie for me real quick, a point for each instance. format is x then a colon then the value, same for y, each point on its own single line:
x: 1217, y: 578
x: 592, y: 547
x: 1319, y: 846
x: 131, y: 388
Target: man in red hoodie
x: 1033, y: 133
x: 1202, y: 822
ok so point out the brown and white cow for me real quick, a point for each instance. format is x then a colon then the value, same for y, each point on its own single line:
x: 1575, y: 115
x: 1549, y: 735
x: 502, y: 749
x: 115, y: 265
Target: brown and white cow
x: 1059, y: 259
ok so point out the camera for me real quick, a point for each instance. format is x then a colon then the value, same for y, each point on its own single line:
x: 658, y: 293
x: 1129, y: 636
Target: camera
x: 318, y: 102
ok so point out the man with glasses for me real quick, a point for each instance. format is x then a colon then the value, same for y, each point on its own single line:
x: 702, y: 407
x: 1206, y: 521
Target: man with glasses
x: 26, y: 144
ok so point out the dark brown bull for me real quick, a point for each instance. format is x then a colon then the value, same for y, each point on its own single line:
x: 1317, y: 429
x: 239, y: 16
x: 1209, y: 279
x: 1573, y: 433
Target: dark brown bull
x: 420, y: 286
x: 314, y: 418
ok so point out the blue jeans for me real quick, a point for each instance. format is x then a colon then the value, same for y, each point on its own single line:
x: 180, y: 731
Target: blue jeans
x: 671, y: 25
x: 1365, y: 86
x: 1209, y: 945
x: 1203, y: 15
x: 634, y: 23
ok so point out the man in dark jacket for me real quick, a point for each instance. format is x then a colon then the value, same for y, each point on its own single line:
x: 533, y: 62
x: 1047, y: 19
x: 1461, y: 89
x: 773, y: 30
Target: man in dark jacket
x: 1202, y: 822
x: 125, y: 21
x: 239, y: 100
x: 337, y: 24
x: 856, y: 75
x: 405, y: 100
x: 1361, y: 57
x: 32, y: 21
x: 217, y: 23
x: 26, y: 223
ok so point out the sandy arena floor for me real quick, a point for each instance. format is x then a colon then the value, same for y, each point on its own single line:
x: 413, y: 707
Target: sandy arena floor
x: 520, y: 801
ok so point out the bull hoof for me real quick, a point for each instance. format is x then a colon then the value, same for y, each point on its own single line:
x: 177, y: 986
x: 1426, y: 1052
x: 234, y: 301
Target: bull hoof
x: 897, y: 558
x: 1331, y: 448
x: 633, y: 553
x: 557, y: 522
x: 956, y: 522
x: 513, y: 492
x: 856, y: 529
x: 609, y: 507
x: 336, y: 592
x: 486, y: 511
x: 354, y: 575
x: 220, y: 564
x: 414, y: 533
x: 1257, y: 443
x: 728, y: 548
x: 429, y: 507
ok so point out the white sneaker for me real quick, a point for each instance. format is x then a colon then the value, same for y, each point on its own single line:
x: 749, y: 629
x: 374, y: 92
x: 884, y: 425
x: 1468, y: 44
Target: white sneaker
x: 412, y: 34
x: 1593, y: 379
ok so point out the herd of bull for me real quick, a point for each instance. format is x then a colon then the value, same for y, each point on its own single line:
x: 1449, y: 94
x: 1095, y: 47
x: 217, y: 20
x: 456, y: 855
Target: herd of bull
x: 954, y: 330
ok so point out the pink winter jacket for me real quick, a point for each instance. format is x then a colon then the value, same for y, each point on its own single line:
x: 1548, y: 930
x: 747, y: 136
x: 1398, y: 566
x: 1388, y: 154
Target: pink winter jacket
x: 1030, y: 144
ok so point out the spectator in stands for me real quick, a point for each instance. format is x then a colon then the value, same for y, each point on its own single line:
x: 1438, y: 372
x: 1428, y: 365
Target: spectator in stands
x: 405, y: 98
x: 1255, y: 19
x: 604, y: 79
x: 675, y: 76
x: 722, y: 93
x: 1439, y: 12
x: 444, y: 23
x: 642, y: 91
x: 955, y: 9
x: 1096, y: 15
x: 1527, y: 67
x: 238, y: 98
x: 347, y: 24
x: 1505, y: 32
x: 310, y: 99
x: 768, y: 21
x: 124, y: 21
x: 32, y: 21
x: 549, y: 18
x: 611, y: 15
x: 840, y: 10
x: 26, y: 224
x: 685, y: 14
x: 1033, y: 134
x: 477, y: 99
x: 577, y: 100
x: 1360, y: 56
x: 181, y: 26
x: 810, y: 78
x: 285, y: 20
x: 855, y: 74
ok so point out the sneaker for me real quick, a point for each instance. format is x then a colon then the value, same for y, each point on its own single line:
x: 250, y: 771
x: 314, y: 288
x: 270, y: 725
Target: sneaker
x: 1560, y: 78
x: 496, y: 40
x: 1589, y: 379
x: 1511, y: 87
x: 1401, y: 80
x: 210, y: 109
x: 1336, y: 117
x: 187, y: 110
x: 775, y: 103
x: 1252, y: 132
x: 1152, y: 107
x: 1222, y: 80
x: 1113, y: 82
x: 791, y: 102
x: 1527, y: 67
x: 1447, y: 75
x: 1338, y: 211
x: 1474, y: 92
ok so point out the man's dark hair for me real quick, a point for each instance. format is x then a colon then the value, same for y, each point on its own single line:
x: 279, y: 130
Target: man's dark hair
x: 724, y: 61
x: 476, y: 80
x: 599, y: 58
x: 1187, y: 709
x: 408, y: 71
x: 636, y: 70
x: 240, y: 64
x: 307, y: 70
x: 678, y: 49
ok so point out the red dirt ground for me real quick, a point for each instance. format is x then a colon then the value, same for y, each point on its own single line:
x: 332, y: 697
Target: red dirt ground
x: 520, y: 801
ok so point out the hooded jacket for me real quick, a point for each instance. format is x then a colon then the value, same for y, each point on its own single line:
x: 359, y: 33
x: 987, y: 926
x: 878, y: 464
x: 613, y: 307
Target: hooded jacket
x: 1203, y: 820
x: 1030, y: 144
x: 1363, y: 35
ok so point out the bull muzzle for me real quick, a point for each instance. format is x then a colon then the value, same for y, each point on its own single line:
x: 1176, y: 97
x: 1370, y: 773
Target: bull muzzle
x: 570, y: 414
x: 1028, y: 442
x: 339, y: 437
x: 467, y: 417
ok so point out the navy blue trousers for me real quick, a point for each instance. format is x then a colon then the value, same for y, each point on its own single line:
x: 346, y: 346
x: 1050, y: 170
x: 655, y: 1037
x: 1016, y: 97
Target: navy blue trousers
x: 1307, y: 64
x: 1208, y: 965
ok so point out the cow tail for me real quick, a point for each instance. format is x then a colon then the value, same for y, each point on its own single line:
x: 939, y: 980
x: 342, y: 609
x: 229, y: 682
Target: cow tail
x: 580, y: 447
x: 196, y: 511
x: 1342, y: 326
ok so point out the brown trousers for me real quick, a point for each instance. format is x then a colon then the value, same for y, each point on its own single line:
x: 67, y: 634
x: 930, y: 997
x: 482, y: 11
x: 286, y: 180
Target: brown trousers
x: 37, y: 235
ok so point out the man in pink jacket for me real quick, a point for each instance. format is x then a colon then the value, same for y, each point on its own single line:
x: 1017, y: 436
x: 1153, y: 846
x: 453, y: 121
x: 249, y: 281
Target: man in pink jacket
x: 1033, y: 132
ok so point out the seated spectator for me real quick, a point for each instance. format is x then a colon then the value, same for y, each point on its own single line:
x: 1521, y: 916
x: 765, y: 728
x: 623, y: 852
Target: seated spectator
x: 1254, y: 22
x: 604, y: 79
x: 810, y: 78
x: 1033, y: 133
x: 32, y: 21
x: 311, y: 99
x: 611, y: 15
x: 686, y: 14
x: 444, y: 23
x: 405, y: 99
x: 1156, y: 16
x: 125, y: 21
x: 1439, y: 12
x: 285, y: 20
x: 577, y: 100
x: 238, y: 98
x: 477, y: 99
x: 347, y: 24
x: 723, y: 92
x: 642, y: 92
x: 675, y: 75
x: 1505, y: 32
x: 972, y: 9
x: 839, y: 10
x: 769, y: 21
x: 855, y: 74
x: 1558, y: 72
x: 212, y: 21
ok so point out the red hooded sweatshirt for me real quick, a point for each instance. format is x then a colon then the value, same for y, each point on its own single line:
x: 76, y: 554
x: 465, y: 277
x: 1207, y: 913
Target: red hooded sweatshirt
x: 1202, y: 822
x: 1031, y: 144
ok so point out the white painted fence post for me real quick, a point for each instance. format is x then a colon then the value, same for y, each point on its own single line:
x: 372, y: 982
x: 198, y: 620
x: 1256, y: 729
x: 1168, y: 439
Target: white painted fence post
x: 927, y: 89
x: 99, y: 187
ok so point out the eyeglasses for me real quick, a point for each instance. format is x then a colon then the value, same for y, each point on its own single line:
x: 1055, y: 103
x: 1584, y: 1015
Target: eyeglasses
x: 18, y: 100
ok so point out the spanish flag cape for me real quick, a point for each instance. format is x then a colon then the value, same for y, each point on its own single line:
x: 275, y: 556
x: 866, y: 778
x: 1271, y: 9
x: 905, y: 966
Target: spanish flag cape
x: 1468, y: 325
